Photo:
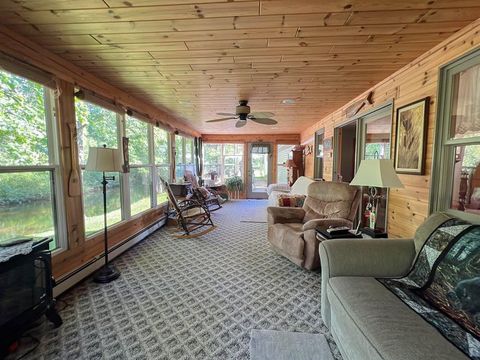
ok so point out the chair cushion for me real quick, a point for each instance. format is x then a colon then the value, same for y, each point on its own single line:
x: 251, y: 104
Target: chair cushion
x: 193, y: 212
x: 288, y: 238
x: 372, y: 323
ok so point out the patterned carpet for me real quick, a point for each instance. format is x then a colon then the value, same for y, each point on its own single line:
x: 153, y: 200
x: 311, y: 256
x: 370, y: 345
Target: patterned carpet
x: 187, y: 298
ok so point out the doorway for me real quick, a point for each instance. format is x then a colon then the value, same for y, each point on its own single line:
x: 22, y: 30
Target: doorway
x: 375, y: 143
x: 345, y: 143
x: 259, y: 170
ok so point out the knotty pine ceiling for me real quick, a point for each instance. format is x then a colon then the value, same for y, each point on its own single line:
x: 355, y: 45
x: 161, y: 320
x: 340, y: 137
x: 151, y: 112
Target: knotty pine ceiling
x: 199, y: 58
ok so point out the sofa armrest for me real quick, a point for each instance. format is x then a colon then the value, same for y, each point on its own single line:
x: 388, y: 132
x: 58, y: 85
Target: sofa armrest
x: 357, y: 257
x: 278, y: 187
x: 283, y: 215
x: 326, y: 223
x: 372, y: 257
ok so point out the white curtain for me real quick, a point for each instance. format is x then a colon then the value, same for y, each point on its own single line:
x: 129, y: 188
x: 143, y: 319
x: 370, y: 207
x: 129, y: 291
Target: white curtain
x: 466, y: 104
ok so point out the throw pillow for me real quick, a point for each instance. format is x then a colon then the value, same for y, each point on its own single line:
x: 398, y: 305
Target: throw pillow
x: 287, y: 200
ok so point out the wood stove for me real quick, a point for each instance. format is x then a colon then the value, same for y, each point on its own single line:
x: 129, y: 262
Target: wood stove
x: 26, y: 294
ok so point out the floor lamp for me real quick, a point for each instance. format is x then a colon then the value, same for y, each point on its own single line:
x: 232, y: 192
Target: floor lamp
x: 105, y: 160
x: 375, y: 173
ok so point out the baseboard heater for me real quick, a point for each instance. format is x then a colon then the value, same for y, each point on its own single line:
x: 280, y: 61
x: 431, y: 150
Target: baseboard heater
x: 67, y: 281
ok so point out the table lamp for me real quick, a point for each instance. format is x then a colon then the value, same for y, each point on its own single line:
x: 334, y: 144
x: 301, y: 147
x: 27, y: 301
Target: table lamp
x: 105, y: 160
x: 375, y: 173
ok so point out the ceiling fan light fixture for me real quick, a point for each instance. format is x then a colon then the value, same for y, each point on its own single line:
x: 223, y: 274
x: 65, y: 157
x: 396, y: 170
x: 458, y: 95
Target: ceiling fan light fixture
x: 288, y: 101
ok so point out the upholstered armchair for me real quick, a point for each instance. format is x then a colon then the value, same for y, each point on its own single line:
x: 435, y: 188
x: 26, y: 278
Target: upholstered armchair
x: 291, y: 231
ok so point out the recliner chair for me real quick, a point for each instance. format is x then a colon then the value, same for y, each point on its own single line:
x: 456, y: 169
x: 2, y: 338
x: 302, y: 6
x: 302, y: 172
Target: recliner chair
x: 291, y: 231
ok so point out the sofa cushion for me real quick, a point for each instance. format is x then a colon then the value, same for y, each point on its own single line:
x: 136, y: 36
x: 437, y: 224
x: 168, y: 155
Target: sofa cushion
x: 372, y: 323
x: 300, y: 186
x: 288, y: 238
x: 291, y: 200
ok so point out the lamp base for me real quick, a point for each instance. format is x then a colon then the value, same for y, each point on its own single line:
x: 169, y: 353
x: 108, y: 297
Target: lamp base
x: 374, y: 233
x: 106, y: 274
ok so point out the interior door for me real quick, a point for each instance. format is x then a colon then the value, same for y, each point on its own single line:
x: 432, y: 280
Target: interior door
x: 259, y: 170
x: 345, y: 152
x: 375, y: 143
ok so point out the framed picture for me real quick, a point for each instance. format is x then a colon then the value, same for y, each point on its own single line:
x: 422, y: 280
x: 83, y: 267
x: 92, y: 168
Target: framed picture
x: 411, y: 137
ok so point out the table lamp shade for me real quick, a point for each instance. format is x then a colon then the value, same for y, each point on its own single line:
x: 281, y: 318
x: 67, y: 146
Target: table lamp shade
x: 377, y: 173
x: 104, y: 159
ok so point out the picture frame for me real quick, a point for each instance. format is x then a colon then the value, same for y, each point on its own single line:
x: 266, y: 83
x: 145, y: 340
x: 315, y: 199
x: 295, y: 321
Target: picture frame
x: 411, y: 137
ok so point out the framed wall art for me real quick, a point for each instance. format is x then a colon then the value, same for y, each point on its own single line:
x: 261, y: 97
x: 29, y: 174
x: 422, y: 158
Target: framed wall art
x: 411, y: 137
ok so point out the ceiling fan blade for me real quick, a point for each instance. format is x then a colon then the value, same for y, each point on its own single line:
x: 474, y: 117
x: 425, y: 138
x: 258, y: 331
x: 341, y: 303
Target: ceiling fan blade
x: 226, y: 114
x: 261, y: 114
x: 222, y: 119
x: 265, y: 121
x: 241, y: 123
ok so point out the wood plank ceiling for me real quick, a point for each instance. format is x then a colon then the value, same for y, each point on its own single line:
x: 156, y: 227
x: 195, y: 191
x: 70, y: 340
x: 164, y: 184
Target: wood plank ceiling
x: 199, y: 58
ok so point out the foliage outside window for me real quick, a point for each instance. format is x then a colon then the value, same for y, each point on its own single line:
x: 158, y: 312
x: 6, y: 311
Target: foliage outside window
x: 140, y: 176
x: 184, y: 158
x: 225, y: 160
x: 162, y: 161
x: 29, y: 169
x: 283, y: 151
x: 458, y: 138
x: 148, y: 153
x: 97, y: 126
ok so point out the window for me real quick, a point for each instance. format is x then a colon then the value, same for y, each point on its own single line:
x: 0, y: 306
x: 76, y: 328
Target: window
x: 148, y: 153
x: 30, y: 179
x: 161, y: 140
x: 184, y: 158
x: 222, y: 160
x: 140, y: 176
x: 97, y: 126
x: 283, y: 152
x: 457, y: 150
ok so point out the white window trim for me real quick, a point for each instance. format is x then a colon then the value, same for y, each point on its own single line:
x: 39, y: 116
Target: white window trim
x: 221, y: 165
x: 56, y: 172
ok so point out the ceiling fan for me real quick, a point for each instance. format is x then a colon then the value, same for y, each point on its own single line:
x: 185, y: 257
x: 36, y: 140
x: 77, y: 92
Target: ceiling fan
x: 242, y: 114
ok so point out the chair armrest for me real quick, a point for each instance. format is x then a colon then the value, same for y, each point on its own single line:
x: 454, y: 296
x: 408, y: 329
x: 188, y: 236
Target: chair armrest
x: 326, y: 223
x: 284, y: 215
x: 372, y: 257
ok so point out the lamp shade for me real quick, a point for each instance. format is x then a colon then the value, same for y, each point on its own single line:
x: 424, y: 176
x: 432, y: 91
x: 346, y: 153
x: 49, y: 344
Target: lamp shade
x: 377, y: 173
x: 104, y: 159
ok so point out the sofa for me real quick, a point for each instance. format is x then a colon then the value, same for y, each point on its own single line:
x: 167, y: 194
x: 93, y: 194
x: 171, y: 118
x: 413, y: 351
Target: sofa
x: 299, y: 187
x: 367, y: 321
x: 291, y: 231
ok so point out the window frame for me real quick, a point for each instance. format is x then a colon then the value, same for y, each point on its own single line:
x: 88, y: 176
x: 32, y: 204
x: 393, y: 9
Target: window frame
x: 444, y: 146
x: 124, y: 178
x: 53, y: 167
x: 183, y: 162
x: 279, y: 165
x: 221, y: 165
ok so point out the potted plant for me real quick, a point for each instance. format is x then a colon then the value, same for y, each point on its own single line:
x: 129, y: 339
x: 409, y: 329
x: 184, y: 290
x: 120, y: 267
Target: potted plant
x: 235, y: 186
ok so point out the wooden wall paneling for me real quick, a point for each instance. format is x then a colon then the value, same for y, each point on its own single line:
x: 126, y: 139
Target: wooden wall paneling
x: 65, y: 117
x: 408, y: 207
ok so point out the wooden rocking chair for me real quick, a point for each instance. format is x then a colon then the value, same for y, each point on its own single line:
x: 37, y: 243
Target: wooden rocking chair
x: 201, y: 194
x: 190, y: 215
